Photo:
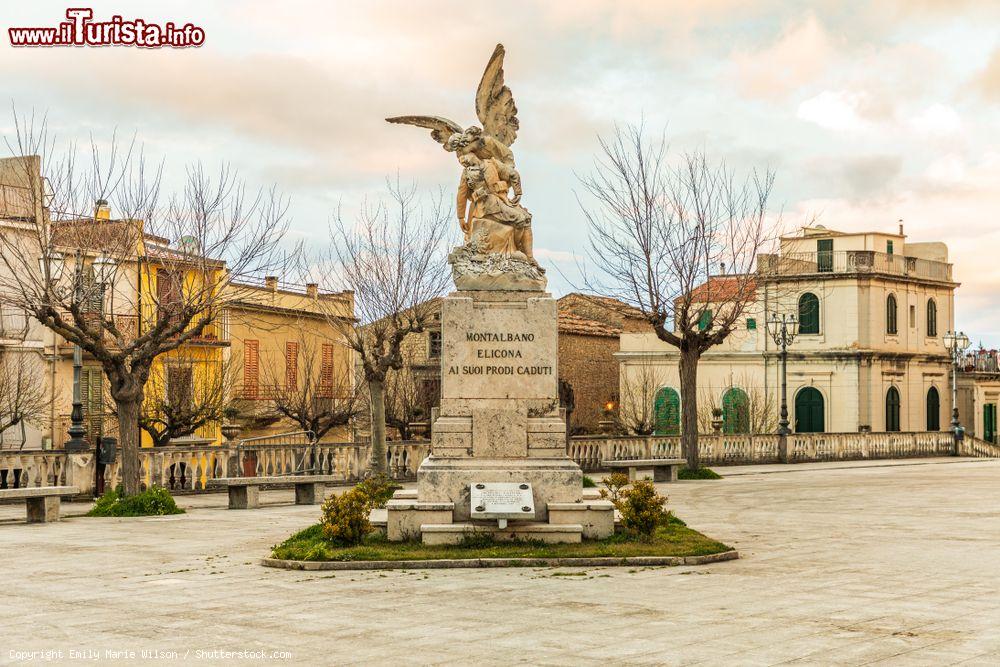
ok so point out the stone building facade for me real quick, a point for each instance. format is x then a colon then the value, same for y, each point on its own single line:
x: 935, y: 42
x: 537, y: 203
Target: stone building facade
x: 285, y: 345
x: 869, y: 354
x: 979, y: 394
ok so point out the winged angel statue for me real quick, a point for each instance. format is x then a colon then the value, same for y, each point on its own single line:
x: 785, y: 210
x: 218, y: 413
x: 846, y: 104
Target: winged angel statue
x: 497, y: 253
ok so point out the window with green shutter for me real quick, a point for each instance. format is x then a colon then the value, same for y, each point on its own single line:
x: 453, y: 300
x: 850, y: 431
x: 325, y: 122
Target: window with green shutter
x: 705, y: 321
x: 751, y: 324
x: 888, y: 247
x: 808, y: 313
x: 931, y: 318
x: 890, y: 315
x: 667, y: 412
x: 735, y: 411
x: 824, y: 255
x: 92, y: 398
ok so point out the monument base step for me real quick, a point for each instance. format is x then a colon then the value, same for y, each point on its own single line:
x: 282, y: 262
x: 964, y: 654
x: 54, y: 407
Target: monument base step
x: 453, y: 533
x: 404, y: 494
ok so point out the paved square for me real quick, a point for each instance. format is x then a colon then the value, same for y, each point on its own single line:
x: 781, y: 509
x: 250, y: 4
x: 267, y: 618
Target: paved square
x: 842, y: 564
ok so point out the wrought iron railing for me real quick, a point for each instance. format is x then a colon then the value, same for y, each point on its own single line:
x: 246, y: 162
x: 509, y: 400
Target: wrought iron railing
x: 853, y: 261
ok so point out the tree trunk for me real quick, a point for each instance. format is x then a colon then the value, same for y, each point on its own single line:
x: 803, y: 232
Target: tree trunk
x: 689, y: 406
x: 376, y: 390
x: 128, y: 440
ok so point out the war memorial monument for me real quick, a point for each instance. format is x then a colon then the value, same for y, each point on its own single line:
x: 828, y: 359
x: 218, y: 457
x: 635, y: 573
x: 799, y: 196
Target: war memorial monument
x: 499, y: 463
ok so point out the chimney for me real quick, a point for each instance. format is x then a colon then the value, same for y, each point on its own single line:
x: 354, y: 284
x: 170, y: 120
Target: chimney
x: 722, y: 268
x: 900, y: 226
x: 271, y: 283
x: 312, y: 290
x: 101, y: 210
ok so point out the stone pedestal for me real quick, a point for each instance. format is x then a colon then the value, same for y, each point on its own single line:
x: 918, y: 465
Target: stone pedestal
x: 499, y: 420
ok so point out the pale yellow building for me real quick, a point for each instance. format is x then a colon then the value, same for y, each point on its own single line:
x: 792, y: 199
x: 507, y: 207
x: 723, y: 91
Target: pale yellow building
x: 869, y: 352
x: 284, y: 341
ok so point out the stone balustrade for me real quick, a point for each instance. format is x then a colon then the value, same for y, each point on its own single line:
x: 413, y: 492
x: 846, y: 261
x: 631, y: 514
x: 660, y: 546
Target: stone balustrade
x: 854, y: 446
x: 188, y: 469
x: 746, y: 449
x: 24, y: 469
x: 973, y: 446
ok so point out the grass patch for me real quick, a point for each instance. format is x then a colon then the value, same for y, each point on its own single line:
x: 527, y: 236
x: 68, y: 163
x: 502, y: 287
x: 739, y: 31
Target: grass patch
x: 156, y: 501
x: 588, y: 482
x: 700, y: 473
x: 672, y: 539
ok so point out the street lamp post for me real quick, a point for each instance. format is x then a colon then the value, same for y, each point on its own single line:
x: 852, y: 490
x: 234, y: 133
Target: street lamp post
x: 783, y: 330
x: 956, y: 342
x: 51, y: 268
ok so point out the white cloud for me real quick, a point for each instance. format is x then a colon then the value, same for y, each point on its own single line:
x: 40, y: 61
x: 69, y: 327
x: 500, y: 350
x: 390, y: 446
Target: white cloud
x: 937, y: 119
x: 834, y: 110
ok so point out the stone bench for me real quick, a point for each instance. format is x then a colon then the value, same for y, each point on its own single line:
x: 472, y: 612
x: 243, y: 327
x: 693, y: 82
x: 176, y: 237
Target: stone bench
x: 657, y: 470
x: 42, y: 501
x: 244, y: 492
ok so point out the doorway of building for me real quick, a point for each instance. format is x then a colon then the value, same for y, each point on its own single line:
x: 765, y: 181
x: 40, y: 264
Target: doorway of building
x: 809, y: 411
x: 667, y: 412
x: 892, y: 409
x: 990, y: 422
x: 933, y: 410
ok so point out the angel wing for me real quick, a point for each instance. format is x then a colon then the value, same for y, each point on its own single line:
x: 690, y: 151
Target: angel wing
x: 494, y: 102
x: 441, y: 128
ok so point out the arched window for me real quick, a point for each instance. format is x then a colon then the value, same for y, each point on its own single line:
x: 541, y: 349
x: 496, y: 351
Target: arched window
x: 933, y: 410
x: 892, y: 409
x: 667, y: 412
x: 931, y: 318
x: 809, y: 411
x: 809, y: 313
x: 890, y: 314
x: 735, y: 411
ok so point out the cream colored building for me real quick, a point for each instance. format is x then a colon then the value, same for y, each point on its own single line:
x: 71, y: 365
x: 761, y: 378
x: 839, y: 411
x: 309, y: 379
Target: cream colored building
x: 869, y: 353
x: 979, y: 394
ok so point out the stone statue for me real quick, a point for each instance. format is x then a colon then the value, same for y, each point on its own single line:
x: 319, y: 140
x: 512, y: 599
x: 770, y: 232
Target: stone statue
x: 498, y: 243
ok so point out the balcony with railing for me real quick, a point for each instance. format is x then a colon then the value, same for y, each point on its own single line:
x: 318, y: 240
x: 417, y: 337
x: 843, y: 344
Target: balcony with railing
x: 128, y: 328
x: 866, y: 262
x: 15, y: 324
x: 980, y: 361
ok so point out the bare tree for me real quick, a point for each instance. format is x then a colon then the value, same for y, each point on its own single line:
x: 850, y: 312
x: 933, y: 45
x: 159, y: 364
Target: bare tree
x: 637, y: 398
x: 407, y: 399
x: 393, y: 258
x: 132, y: 288
x: 183, y: 394
x: 313, y: 393
x: 23, y: 398
x: 660, y: 236
x: 759, y: 412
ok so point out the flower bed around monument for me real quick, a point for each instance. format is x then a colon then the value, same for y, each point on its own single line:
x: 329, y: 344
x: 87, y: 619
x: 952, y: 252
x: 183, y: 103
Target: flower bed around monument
x: 673, y: 540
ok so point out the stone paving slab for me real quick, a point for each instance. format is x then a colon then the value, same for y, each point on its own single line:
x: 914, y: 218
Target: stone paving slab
x: 848, y: 565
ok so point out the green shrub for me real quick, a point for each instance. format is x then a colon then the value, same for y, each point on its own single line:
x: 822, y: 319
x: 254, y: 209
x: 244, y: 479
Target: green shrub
x: 588, y: 482
x: 614, y: 484
x: 345, y: 517
x: 700, y: 473
x: 155, y: 501
x: 378, y: 489
x: 642, y: 509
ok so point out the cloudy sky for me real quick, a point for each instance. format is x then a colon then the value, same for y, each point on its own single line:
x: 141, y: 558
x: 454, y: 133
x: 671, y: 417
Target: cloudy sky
x: 868, y: 112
